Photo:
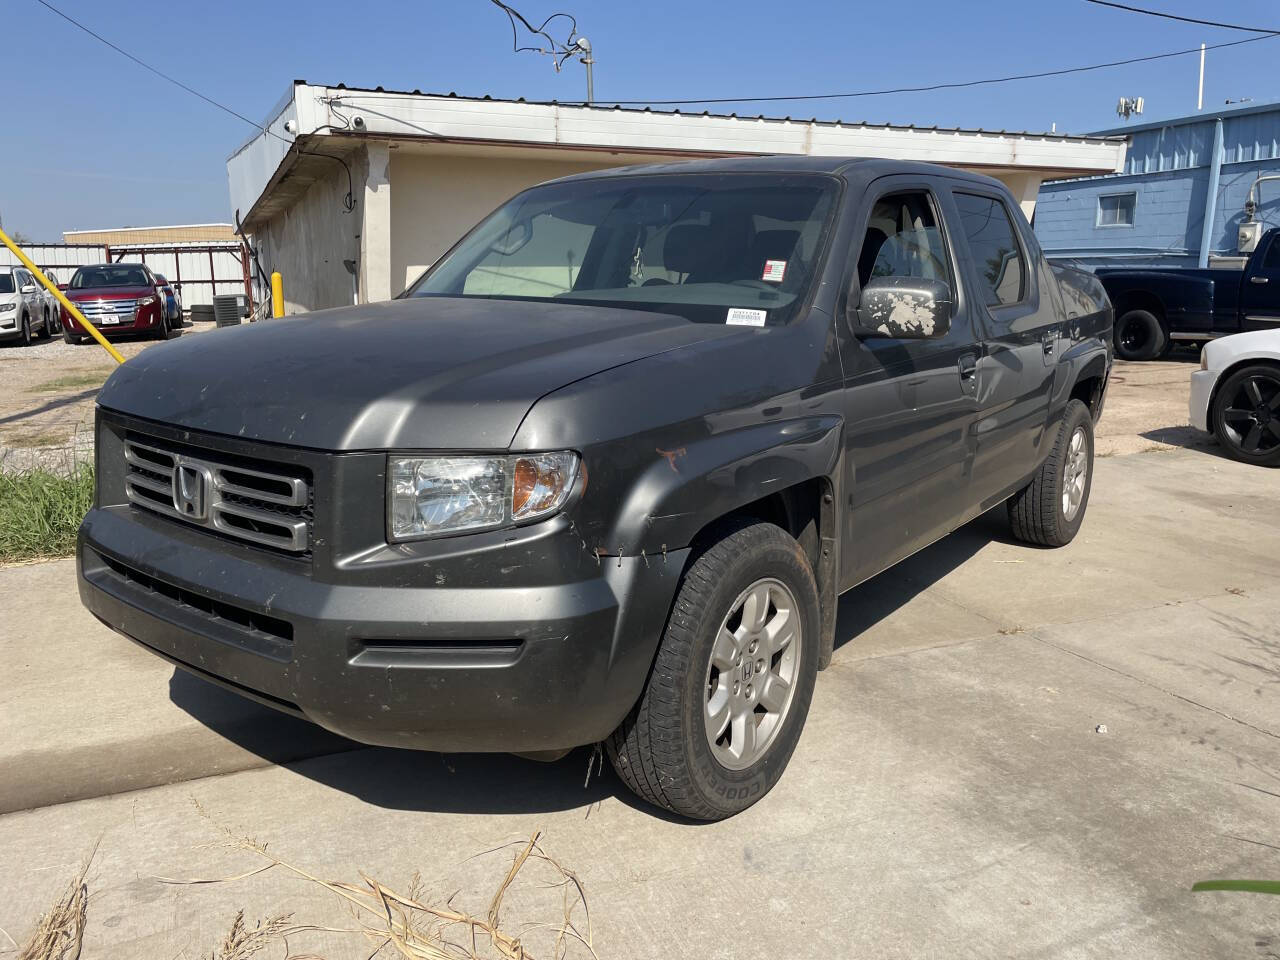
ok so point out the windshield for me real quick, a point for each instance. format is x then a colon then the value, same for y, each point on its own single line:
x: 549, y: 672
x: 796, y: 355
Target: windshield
x: 6, y: 283
x: 114, y: 275
x: 709, y: 248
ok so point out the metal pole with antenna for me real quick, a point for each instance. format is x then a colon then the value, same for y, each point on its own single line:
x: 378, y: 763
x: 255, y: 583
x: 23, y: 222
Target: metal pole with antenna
x: 1200, y: 95
x: 585, y: 46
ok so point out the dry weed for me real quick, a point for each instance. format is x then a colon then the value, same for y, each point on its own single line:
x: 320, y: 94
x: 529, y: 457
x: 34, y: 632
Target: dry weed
x: 59, y: 933
x: 411, y: 925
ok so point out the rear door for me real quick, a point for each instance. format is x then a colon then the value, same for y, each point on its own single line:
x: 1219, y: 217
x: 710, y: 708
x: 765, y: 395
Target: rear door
x: 1260, y: 290
x: 910, y: 404
x: 1021, y: 331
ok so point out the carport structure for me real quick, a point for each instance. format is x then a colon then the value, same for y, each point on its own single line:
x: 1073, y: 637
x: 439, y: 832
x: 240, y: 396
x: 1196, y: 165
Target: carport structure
x: 351, y: 193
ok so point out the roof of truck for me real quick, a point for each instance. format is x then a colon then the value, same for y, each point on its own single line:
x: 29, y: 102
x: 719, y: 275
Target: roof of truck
x: 872, y: 167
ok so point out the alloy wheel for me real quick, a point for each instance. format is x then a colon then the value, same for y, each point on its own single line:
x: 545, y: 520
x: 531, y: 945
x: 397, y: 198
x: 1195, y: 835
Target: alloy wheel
x: 752, y: 676
x: 1251, y: 420
x: 1074, y: 474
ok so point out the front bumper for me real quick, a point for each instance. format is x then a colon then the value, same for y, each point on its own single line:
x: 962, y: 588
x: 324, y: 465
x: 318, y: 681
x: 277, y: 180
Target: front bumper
x: 144, y: 320
x: 1202, y: 383
x: 457, y: 666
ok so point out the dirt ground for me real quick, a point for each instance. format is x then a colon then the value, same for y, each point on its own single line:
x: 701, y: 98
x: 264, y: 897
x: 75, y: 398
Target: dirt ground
x: 47, y: 393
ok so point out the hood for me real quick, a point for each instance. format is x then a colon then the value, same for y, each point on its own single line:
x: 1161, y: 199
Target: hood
x: 108, y: 293
x: 429, y: 373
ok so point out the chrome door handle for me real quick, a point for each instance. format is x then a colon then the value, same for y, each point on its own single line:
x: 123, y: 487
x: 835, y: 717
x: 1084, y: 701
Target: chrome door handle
x: 1259, y: 279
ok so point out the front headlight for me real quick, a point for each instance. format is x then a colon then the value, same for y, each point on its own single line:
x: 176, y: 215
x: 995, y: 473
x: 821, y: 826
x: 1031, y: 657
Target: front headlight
x: 8, y: 307
x: 435, y: 496
x: 146, y: 302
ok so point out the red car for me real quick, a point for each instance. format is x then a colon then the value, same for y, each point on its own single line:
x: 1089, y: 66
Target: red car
x: 117, y: 298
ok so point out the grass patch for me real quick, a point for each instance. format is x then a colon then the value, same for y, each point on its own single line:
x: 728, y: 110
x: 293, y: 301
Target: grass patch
x: 92, y: 378
x: 41, y: 511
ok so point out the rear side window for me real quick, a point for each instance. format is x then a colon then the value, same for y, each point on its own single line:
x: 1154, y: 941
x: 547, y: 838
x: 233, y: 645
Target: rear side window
x: 1273, y: 255
x: 988, y: 230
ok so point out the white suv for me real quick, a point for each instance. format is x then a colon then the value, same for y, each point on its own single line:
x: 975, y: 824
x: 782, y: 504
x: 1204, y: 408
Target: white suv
x: 24, y: 309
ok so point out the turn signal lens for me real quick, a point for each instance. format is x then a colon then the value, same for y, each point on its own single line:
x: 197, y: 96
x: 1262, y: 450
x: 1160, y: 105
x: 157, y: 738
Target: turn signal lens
x: 541, y: 484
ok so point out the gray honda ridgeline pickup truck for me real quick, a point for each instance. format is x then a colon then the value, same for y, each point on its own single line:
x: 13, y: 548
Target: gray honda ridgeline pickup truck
x: 602, y: 472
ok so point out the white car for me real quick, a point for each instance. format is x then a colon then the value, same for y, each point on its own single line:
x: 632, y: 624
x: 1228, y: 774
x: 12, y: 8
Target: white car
x: 1236, y: 395
x: 23, y: 309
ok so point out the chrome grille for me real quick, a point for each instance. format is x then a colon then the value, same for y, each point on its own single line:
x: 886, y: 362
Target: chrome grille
x: 98, y: 312
x: 262, y: 506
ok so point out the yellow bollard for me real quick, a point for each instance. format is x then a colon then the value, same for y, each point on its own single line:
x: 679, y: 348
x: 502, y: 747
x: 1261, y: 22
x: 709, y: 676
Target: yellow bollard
x: 277, y: 294
x: 71, y: 307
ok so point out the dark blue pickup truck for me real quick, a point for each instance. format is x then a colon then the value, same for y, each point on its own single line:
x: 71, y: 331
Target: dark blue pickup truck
x: 1157, y: 306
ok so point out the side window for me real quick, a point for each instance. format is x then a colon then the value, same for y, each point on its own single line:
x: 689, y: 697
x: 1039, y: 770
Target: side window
x: 903, y: 240
x: 1272, y: 263
x: 987, y: 229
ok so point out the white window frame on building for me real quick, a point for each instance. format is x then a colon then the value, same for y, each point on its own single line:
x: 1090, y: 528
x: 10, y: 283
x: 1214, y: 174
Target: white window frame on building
x: 1131, y: 196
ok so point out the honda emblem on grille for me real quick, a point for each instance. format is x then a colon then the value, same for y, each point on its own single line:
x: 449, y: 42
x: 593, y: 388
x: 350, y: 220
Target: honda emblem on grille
x: 191, y: 485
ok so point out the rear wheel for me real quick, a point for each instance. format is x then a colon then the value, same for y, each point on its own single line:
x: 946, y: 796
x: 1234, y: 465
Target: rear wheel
x: 1048, y: 511
x: 730, y: 688
x: 1246, y: 415
x: 1139, y: 335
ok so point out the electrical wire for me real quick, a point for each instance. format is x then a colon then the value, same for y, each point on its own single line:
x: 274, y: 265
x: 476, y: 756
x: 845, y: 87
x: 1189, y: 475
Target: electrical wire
x: 164, y: 76
x: 348, y: 202
x: 955, y: 85
x: 559, y: 52
x: 1174, y: 16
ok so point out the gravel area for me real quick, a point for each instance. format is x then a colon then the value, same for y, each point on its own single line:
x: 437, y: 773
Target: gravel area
x: 47, y: 392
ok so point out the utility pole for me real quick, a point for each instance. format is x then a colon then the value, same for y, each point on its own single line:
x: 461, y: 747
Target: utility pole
x: 588, y: 61
x: 1200, y: 96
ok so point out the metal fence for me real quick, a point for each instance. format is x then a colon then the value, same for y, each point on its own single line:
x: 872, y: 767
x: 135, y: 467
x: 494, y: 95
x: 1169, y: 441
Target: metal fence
x: 203, y: 269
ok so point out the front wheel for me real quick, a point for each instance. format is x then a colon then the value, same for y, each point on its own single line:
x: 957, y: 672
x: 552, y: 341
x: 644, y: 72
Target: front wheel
x: 1246, y: 415
x: 1048, y: 511
x: 730, y: 688
x: 24, y: 337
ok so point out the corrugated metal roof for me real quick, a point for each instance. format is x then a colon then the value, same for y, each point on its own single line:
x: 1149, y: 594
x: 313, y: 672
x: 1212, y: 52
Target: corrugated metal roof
x: 452, y: 95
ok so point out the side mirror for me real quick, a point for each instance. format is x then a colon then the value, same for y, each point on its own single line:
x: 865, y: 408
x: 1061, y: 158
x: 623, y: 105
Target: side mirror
x: 177, y: 286
x: 905, y: 308
x: 29, y: 288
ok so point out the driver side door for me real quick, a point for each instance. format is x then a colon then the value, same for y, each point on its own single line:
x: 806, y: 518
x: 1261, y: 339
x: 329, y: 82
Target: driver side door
x: 910, y: 404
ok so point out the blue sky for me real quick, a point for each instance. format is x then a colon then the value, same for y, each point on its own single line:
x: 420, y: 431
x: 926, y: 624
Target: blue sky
x: 99, y: 142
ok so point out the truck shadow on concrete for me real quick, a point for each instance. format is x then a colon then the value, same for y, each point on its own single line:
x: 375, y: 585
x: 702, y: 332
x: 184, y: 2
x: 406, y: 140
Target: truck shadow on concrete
x: 414, y: 780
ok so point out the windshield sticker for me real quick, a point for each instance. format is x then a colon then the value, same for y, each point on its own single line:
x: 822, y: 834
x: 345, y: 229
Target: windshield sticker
x: 742, y: 317
x: 774, y: 270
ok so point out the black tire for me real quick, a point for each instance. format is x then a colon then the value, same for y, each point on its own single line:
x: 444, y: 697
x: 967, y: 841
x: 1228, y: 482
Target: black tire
x: 55, y: 322
x: 71, y: 338
x: 25, y: 338
x: 164, y: 331
x: 1139, y: 335
x: 1246, y: 415
x: 1037, y: 512
x: 46, y: 330
x: 663, y: 749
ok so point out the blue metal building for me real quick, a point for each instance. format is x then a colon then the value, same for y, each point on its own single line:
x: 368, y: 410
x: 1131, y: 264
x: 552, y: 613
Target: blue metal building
x: 1180, y: 198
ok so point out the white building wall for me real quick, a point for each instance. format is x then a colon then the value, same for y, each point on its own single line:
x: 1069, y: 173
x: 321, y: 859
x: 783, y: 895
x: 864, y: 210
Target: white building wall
x: 435, y: 200
x: 309, y: 242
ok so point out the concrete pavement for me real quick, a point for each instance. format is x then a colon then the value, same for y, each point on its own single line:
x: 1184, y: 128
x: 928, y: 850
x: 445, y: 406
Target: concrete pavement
x: 951, y: 796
